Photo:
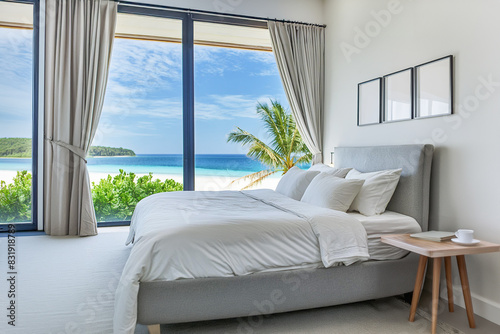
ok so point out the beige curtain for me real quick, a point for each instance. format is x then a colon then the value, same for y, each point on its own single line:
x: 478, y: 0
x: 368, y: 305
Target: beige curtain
x: 78, y: 40
x: 300, y: 54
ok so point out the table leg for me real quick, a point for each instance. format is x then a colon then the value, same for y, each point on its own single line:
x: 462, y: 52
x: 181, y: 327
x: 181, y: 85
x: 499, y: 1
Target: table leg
x: 462, y: 269
x: 449, y: 283
x: 418, y: 286
x: 436, y: 273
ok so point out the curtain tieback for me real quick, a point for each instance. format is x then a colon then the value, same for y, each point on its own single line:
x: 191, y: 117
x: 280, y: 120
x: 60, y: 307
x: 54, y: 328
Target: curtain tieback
x: 73, y: 149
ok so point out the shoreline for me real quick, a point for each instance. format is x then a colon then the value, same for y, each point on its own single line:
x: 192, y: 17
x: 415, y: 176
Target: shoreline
x: 203, y: 183
x: 16, y: 158
x: 111, y: 156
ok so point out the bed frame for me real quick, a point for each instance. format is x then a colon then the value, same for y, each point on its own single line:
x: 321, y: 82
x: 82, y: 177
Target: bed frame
x: 189, y: 300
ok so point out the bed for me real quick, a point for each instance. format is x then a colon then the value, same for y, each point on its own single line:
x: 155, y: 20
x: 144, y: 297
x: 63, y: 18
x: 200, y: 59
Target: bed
x: 187, y: 300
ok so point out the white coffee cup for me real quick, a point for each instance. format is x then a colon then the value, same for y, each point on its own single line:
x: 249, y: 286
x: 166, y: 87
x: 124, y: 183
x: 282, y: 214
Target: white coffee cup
x: 465, y: 236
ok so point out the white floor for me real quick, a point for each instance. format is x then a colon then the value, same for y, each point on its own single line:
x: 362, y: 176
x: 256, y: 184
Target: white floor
x: 65, y: 285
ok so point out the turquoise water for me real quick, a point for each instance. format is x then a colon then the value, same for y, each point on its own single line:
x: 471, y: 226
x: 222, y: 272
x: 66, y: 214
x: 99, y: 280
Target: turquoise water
x: 234, y: 165
x: 15, y: 164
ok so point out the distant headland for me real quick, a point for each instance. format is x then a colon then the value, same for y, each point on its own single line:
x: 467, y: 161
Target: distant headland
x: 21, y: 148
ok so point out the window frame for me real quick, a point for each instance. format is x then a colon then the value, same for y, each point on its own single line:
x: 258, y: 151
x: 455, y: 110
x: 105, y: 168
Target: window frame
x: 188, y: 111
x: 188, y: 20
x: 33, y: 225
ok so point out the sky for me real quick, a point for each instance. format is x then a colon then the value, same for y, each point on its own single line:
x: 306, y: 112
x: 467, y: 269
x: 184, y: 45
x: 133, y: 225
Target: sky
x: 15, y: 82
x: 143, y: 104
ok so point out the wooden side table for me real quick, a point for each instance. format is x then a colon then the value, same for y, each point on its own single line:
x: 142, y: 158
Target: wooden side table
x: 437, y: 251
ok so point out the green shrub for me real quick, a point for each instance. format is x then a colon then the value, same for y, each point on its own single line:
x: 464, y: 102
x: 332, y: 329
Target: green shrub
x: 114, y: 198
x: 15, y: 199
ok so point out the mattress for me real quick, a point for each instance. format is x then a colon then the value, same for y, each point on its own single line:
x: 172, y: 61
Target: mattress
x: 387, y: 223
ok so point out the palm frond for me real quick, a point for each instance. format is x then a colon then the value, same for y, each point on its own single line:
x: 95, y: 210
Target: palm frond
x: 272, y: 122
x: 259, y: 180
x: 252, y: 176
x: 284, y: 148
x: 293, y: 143
x: 306, y: 158
x: 258, y: 148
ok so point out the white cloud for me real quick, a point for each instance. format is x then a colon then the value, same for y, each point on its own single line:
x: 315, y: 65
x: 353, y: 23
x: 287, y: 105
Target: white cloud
x: 146, y: 64
x: 267, y: 62
x: 141, y: 72
x: 265, y: 57
x: 108, y: 130
x: 229, y: 106
x: 212, y: 107
x: 16, y: 56
x: 15, y: 82
x: 215, y: 60
x: 123, y: 107
x: 267, y: 72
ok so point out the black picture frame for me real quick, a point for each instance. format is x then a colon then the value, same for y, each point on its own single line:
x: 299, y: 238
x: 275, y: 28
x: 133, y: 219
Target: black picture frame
x: 433, y: 82
x: 369, y: 102
x: 398, y: 97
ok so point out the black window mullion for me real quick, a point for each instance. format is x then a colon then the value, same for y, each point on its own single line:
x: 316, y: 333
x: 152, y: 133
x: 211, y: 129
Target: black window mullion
x: 34, y: 140
x: 188, y: 101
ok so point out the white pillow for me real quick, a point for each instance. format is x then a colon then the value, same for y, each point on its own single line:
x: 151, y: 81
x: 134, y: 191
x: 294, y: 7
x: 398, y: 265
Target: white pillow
x: 295, y: 182
x: 332, y: 192
x: 376, y: 192
x: 339, y: 172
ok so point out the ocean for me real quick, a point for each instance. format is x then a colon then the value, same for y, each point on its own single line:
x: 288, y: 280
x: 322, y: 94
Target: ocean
x: 233, y: 165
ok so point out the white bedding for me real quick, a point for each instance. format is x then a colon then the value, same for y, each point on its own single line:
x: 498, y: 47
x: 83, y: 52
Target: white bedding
x: 386, y: 223
x: 182, y: 235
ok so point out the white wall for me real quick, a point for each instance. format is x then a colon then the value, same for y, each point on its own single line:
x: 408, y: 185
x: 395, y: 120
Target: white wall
x: 310, y: 11
x: 465, y: 185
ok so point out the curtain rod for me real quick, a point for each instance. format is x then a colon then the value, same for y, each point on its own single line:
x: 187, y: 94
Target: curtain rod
x: 207, y: 12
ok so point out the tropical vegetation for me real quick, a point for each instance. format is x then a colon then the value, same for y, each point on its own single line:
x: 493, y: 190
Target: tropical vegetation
x: 114, y: 197
x: 284, y: 148
x: 15, y: 199
x: 15, y: 147
x: 21, y: 148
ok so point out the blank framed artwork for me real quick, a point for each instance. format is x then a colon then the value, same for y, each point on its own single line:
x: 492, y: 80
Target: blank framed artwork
x: 398, y: 96
x: 434, y: 88
x: 369, y: 102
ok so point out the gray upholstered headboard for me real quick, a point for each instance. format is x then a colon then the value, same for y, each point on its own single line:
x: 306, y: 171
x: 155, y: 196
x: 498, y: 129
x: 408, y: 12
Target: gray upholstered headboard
x: 412, y: 194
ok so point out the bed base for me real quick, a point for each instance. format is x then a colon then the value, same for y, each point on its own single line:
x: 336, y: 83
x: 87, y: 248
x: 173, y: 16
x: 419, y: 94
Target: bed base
x: 169, y: 302
x: 189, y: 300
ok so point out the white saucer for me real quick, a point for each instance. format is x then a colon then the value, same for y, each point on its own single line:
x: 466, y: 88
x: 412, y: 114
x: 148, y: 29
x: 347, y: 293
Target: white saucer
x: 474, y: 242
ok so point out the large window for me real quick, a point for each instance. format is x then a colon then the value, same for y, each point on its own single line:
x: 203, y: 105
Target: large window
x: 178, y: 86
x: 17, y: 157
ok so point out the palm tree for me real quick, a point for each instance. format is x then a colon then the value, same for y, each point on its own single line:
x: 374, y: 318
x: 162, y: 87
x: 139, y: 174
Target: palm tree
x: 286, y: 148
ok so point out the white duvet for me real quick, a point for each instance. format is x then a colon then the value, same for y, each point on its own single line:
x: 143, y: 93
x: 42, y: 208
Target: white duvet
x: 182, y: 235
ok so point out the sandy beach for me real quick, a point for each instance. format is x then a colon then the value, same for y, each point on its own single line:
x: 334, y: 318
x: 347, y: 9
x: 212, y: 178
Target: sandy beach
x: 7, y: 175
x: 201, y: 182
